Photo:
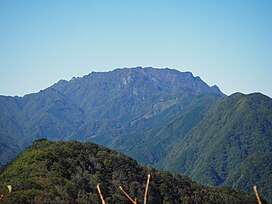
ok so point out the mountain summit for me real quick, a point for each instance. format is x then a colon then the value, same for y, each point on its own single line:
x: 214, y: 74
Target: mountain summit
x: 127, y: 78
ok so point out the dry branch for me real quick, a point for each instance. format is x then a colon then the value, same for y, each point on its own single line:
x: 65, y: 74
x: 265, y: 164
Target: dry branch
x: 100, y: 194
x: 126, y: 194
x: 133, y: 201
x: 146, y: 188
x: 9, y: 188
x: 257, y: 195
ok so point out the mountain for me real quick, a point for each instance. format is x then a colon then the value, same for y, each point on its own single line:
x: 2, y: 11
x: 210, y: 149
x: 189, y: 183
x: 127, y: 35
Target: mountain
x: 99, y: 107
x: 68, y: 172
x: 231, y: 145
x: 162, y: 117
x: 152, y: 144
x: 47, y: 113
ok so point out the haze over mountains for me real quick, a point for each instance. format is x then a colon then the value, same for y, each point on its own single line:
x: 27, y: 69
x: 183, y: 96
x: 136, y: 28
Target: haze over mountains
x: 163, y: 117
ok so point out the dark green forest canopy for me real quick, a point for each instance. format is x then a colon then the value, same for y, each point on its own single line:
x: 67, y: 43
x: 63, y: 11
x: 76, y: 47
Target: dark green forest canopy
x: 68, y: 172
x: 230, y: 146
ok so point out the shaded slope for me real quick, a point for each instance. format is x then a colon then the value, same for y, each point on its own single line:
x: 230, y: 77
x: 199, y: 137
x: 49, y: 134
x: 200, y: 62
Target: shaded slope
x: 152, y: 144
x: 46, y: 114
x: 67, y: 172
x: 232, y: 140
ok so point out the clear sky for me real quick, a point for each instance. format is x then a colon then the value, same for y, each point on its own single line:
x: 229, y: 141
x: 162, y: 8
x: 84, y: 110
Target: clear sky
x: 225, y: 42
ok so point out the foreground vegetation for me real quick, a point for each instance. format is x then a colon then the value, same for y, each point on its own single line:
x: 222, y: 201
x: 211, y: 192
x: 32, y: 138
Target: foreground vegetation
x: 68, y: 172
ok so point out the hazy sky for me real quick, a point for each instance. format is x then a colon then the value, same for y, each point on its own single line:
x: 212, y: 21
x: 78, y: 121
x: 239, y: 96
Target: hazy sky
x: 227, y: 43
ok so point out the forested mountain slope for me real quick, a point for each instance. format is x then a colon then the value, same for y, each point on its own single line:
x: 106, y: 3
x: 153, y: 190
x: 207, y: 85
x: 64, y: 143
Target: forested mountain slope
x: 68, y: 172
x: 231, y: 145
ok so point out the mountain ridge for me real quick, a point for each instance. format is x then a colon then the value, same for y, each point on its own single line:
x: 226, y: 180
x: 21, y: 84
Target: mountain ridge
x: 68, y: 172
x: 224, y: 143
x: 88, y: 107
x: 162, y: 117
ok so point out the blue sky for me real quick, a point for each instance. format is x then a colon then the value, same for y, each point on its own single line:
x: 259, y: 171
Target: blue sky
x: 227, y: 43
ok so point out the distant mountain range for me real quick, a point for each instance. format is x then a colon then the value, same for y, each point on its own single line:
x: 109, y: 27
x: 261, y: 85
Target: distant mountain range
x: 68, y: 172
x: 163, y: 117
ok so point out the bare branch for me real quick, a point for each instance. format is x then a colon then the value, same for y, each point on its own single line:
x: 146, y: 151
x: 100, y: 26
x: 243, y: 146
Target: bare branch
x: 133, y: 201
x: 9, y: 188
x: 257, y: 195
x: 100, y: 194
x: 146, y: 188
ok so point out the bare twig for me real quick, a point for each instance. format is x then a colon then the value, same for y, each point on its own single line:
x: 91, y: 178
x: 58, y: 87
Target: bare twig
x: 257, y: 195
x: 133, y: 201
x: 146, y: 188
x: 126, y: 194
x: 100, y: 194
x: 9, y: 188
